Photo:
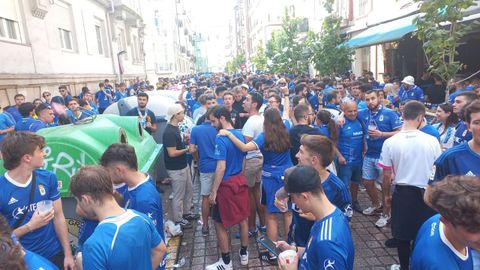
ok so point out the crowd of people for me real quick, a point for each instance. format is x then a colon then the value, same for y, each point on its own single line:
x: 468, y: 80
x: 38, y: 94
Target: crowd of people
x: 271, y: 150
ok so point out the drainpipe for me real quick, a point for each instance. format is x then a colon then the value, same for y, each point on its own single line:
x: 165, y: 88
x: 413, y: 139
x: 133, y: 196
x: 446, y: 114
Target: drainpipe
x: 109, y: 24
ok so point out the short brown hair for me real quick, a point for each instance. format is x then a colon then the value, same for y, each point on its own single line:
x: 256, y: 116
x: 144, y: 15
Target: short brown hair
x: 471, y: 108
x: 18, y: 144
x: 122, y: 153
x: 93, y: 181
x: 457, y: 199
x: 320, y: 146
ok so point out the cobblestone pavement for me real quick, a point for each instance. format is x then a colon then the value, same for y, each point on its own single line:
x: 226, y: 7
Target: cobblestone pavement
x: 194, y: 251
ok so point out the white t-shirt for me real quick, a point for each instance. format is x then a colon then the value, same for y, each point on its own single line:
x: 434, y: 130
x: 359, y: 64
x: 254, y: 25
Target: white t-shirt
x: 410, y: 155
x: 252, y: 128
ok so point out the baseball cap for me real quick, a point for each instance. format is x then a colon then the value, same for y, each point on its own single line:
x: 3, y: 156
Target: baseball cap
x: 409, y: 80
x: 302, y: 179
x: 173, y: 109
x: 245, y: 86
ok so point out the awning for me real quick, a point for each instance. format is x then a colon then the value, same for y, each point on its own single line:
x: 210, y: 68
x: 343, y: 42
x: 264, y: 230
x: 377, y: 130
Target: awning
x: 385, y: 32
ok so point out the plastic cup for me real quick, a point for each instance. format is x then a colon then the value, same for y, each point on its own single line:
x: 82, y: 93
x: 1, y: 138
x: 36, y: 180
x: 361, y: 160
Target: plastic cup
x: 282, y: 196
x: 288, y: 255
x: 44, y: 206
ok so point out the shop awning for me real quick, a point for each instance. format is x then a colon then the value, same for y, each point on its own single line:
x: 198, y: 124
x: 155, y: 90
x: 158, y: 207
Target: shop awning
x: 385, y: 32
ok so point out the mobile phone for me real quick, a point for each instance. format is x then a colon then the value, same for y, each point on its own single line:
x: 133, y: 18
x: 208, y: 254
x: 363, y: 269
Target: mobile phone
x: 268, y: 244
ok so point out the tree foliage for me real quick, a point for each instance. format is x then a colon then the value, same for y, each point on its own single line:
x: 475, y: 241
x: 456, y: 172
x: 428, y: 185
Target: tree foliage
x: 260, y: 58
x: 285, y: 49
x: 329, y: 53
x: 234, y: 65
x: 440, y: 31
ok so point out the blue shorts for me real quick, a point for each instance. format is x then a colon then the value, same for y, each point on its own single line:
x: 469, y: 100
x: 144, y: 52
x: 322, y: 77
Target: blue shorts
x: 350, y: 172
x: 371, y: 170
x: 270, y: 184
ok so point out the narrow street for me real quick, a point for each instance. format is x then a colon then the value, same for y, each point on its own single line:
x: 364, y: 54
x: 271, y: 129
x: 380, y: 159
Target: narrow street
x: 194, y: 251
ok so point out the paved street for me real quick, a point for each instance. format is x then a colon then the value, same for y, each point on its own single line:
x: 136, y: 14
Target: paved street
x: 193, y: 251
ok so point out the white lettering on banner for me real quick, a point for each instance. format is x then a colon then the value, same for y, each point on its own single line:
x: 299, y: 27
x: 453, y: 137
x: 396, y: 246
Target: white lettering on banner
x: 64, y: 162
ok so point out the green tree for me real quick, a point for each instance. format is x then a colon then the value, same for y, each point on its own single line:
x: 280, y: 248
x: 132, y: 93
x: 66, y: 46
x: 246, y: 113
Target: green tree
x: 234, y: 65
x: 329, y: 53
x: 260, y: 58
x: 285, y: 49
x: 440, y: 31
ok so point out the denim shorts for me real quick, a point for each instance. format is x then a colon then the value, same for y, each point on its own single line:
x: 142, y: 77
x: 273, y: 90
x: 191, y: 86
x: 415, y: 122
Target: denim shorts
x: 350, y: 172
x: 371, y: 170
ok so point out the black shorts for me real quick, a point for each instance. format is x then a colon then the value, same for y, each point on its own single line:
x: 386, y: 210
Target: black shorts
x: 409, y: 212
x: 216, y: 213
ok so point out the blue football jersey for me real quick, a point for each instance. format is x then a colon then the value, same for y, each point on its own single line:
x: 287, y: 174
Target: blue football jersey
x: 462, y: 134
x: 433, y: 251
x: 121, y: 242
x: 226, y: 150
x: 14, y: 203
x: 458, y: 160
x: 386, y: 120
x: 337, y: 193
x: 37, y: 262
x: 330, y: 245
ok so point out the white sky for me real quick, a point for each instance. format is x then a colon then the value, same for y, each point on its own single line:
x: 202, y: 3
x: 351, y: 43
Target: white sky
x: 211, y: 18
x: 206, y: 15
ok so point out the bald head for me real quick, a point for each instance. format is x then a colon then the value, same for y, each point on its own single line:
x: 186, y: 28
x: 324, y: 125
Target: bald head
x: 350, y: 109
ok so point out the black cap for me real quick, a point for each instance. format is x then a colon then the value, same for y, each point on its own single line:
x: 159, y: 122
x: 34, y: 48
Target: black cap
x: 303, y: 179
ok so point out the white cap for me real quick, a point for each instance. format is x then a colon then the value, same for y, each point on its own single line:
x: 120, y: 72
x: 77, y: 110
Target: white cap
x: 409, y: 80
x: 172, y: 110
x: 245, y: 86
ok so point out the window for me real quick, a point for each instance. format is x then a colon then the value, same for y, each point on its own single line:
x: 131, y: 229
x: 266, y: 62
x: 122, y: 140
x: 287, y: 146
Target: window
x: 9, y: 29
x: 363, y: 7
x: 65, y: 39
x: 98, y: 32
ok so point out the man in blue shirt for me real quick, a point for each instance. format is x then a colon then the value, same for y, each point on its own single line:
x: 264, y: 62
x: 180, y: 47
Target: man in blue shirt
x: 64, y: 93
x: 124, y: 239
x: 445, y: 241
x: 202, y: 142
x: 462, y: 134
x: 358, y: 93
x: 13, y: 110
x: 318, y: 151
x: 229, y: 191
x: 6, y: 126
x: 120, y: 161
x: 146, y: 117
x: 409, y: 90
x: 330, y: 244
x: 460, y: 87
x: 379, y: 123
x: 463, y: 159
x: 121, y: 93
x: 103, y: 97
x: 23, y: 186
x: 350, y: 151
x: 32, y: 260
x: 77, y: 112
x: 45, y: 116
x: 27, y: 110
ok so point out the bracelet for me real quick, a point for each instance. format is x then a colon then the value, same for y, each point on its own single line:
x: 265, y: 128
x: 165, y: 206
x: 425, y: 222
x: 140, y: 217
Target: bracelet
x: 229, y: 133
x: 296, y: 249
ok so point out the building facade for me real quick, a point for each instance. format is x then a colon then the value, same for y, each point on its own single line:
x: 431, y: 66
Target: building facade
x: 45, y: 43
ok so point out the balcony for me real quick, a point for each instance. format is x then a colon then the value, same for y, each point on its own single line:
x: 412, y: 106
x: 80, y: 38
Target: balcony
x: 127, y: 10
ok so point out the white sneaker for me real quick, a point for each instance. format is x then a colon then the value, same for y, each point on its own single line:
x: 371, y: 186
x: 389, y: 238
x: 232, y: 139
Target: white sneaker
x: 243, y: 258
x: 372, y: 210
x: 382, y: 221
x: 395, y: 267
x: 220, y: 265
